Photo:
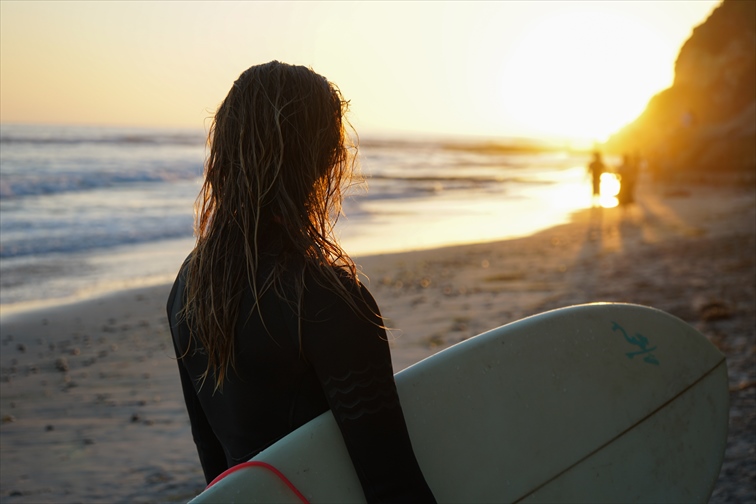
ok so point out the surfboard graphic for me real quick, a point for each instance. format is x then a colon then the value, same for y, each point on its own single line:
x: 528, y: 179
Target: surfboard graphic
x: 591, y: 403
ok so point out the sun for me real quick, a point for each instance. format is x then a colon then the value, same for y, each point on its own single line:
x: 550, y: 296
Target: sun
x: 582, y: 72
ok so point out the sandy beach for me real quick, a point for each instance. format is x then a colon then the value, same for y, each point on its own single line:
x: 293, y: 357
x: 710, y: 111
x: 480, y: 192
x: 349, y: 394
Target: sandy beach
x: 91, y: 405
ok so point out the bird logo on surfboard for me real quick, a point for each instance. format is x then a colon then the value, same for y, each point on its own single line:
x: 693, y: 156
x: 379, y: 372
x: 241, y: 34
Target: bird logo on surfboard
x: 641, y: 342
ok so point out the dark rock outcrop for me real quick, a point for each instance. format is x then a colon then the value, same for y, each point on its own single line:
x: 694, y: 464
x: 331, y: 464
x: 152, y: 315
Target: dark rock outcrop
x: 705, y: 124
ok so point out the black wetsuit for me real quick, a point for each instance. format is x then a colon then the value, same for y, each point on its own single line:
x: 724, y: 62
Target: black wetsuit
x: 343, y: 363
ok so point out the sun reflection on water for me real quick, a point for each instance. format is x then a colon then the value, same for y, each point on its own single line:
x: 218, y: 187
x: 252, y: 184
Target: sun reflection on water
x: 610, y: 188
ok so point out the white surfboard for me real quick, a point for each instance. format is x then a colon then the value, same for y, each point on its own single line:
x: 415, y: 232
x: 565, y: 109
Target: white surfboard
x: 593, y: 403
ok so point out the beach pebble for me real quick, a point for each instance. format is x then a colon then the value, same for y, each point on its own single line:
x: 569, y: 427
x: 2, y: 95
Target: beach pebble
x: 715, y: 311
x: 158, y: 477
x: 434, y: 341
x: 459, y: 326
x: 61, y: 364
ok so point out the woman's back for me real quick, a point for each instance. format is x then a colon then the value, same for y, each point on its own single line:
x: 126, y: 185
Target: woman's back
x: 343, y: 363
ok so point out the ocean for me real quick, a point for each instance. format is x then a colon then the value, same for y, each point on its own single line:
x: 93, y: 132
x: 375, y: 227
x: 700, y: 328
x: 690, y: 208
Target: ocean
x: 90, y: 210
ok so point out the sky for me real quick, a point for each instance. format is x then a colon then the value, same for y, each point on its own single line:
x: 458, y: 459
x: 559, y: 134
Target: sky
x: 550, y: 69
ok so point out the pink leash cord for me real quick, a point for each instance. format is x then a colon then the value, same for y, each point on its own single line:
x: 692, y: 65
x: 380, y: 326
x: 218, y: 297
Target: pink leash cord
x: 264, y: 465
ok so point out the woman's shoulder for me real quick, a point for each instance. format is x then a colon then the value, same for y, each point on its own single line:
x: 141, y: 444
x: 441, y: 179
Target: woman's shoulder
x: 332, y: 280
x: 337, y: 291
x: 176, y: 295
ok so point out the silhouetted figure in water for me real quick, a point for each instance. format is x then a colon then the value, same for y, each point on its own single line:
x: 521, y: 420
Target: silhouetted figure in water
x: 628, y: 172
x: 596, y: 168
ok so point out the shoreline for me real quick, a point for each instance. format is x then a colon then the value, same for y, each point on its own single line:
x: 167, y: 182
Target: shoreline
x: 92, y: 409
x: 123, y: 268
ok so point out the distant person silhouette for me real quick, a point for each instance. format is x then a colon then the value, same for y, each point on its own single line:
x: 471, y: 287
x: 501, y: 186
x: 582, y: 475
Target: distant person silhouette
x: 628, y: 172
x: 596, y: 168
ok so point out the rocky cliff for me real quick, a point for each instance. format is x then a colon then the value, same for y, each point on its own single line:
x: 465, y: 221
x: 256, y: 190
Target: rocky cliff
x: 705, y: 122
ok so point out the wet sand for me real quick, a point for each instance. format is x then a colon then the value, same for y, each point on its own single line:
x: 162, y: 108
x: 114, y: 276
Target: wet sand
x: 90, y: 400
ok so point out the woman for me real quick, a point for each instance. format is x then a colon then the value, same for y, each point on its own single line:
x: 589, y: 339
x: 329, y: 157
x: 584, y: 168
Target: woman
x: 270, y: 323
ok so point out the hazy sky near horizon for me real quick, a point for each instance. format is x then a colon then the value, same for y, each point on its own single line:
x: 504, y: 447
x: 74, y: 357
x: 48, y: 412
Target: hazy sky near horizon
x: 563, y: 68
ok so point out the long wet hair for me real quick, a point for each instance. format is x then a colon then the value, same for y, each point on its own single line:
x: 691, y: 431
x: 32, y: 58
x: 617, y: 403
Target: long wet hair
x: 279, y: 160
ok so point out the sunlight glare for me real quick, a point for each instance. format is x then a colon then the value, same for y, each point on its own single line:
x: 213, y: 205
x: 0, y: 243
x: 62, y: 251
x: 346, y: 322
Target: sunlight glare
x: 573, y: 191
x: 586, y: 70
x: 610, y: 188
